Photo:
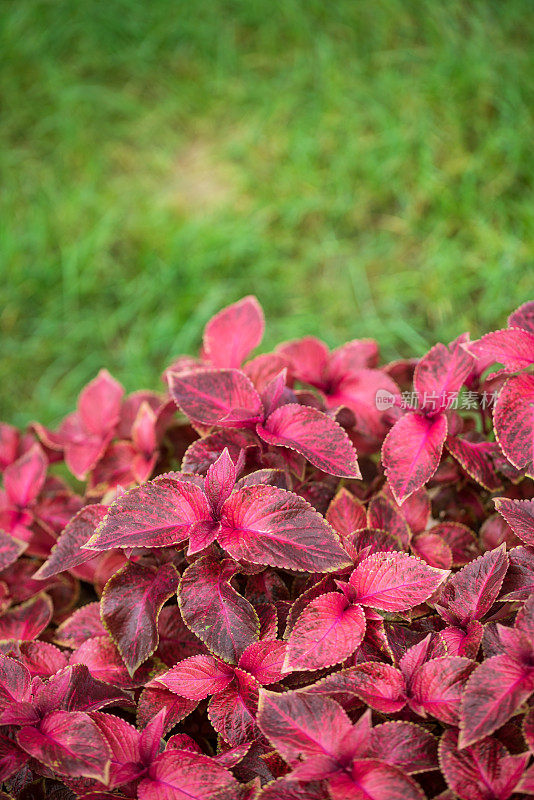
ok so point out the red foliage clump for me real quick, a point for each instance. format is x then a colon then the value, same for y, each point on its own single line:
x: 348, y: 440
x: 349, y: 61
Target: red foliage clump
x: 270, y: 615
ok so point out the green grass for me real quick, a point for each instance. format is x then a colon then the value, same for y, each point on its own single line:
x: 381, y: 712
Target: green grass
x: 365, y: 167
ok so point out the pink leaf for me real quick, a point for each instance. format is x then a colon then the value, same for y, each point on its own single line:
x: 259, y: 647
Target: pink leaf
x: 394, y: 581
x: 519, y: 514
x: 131, y: 602
x: 122, y: 740
x: 484, y: 770
x: 75, y: 689
x: 374, y: 780
x: 40, y: 658
x: 179, y: 774
x: 24, y: 478
x: 155, y: 699
x: 439, y: 375
x: 220, y: 481
x: 266, y: 525
x: 436, y: 687
x: 99, y: 403
x: 513, y: 418
x: 497, y: 688
x: 432, y: 549
x: 215, y: 612
x: 27, y: 620
x: 105, y: 663
x: 345, y: 513
x: 83, y: 624
x: 411, y: 452
x: 476, y: 460
x: 157, y: 514
x: 460, y: 539
x: 379, y: 685
x: 12, y: 759
x: 10, y: 549
x: 512, y: 347
x: 68, y: 552
x: 232, y: 712
x: 264, y: 660
x: 308, y: 358
x: 234, y: 332
x: 383, y: 515
x: 70, y: 743
x: 197, y: 677
x: 315, y: 436
x: 470, y: 593
x: 299, y: 724
x: 327, y: 632
x: 519, y: 581
x: 405, y: 745
x: 222, y: 397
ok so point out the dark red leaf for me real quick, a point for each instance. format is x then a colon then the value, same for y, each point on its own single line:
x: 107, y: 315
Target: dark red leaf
x: 130, y: 605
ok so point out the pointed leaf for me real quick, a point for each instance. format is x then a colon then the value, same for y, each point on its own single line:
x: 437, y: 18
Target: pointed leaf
x: 437, y: 686
x: 374, y: 780
x: 519, y: 581
x: 67, y: 552
x: 470, y: 593
x: 232, y: 712
x: 266, y: 525
x: 123, y: 741
x: 222, y: 397
x: 411, y: 452
x: 394, y: 581
x: 513, y: 418
x: 234, y: 332
x: 180, y: 774
x: 83, y: 624
x: 220, y: 481
x: 519, y: 514
x: 196, y: 677
x: 476, y: 460
x: 439, y: 375
x: 264, y: 660
x: 345, y: 513
x: 496, y: 689
x: 24, y: 478
x: 130, y: 604
x: 380, y: 686
x: 484, y: 770
x: 70, y: 743
x: 10, y: 549
x: 383, y: 515
x: 157, y: 514
x: 327, y: 632
x: 215, y: 612
x: 99, y: 403
x: 299, y: 724
x: 405, y: 745
x: 512, y: 347
x: 27, y: 620
x: 154, y: 699
x: 75, y: 689
x: 315, y: 436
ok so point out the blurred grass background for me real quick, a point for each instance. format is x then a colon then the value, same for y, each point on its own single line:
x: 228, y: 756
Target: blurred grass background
x: 364, y: 167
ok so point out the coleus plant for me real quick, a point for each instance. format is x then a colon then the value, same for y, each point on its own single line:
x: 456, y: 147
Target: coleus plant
x: 301, y: 575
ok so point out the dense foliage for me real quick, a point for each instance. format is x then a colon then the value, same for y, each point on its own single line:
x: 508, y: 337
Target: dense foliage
x: 302, y: 576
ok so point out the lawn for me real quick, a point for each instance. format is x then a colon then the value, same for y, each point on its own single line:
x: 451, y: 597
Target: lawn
x: 364, y: 167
